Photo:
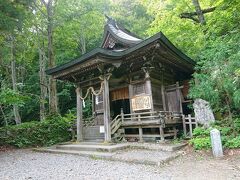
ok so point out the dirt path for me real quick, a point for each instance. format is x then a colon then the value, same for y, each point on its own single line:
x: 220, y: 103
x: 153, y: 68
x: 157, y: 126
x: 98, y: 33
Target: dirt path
x: 26, y: 164
x: 203, y: 166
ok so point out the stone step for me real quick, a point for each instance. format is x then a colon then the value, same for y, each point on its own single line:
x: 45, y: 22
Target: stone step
x: 93, y: 154
x: 92, y: 147
x: 92, y: 133
x: 162, y: 146
x: 146, y: 157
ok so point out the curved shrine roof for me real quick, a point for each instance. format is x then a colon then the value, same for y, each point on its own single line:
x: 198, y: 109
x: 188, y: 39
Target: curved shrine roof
x: 116, y: 34
x: 112, y: 55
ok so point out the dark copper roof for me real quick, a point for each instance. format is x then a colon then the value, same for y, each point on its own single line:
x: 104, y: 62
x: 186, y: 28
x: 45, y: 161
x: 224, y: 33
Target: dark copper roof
x: 118, y: 34
x: 111, y: 55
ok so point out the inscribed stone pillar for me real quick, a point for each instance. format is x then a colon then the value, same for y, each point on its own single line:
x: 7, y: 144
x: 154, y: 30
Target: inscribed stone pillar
x: 79, y: 115
x: 106, y: 106
x: 216, y: 143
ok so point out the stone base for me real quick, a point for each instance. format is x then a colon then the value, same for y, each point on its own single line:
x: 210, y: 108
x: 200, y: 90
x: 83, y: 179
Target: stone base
x: 138, y: 153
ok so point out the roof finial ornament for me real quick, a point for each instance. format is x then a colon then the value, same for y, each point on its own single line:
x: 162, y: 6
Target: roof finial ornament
x: 109, y: 19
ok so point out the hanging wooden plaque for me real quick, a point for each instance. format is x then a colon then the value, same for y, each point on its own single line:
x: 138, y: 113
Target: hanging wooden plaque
x: 142, y: 102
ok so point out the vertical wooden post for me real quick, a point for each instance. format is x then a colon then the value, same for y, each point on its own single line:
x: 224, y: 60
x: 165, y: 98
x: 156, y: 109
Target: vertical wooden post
x: 148, y: 86
x: 161, y: 133
x: 163, y: 88
x: 106, y: 106
x: 190, y: 124
x: 122, y: 114
x: 184, y: 125
x: 163, y: 98
x: 79, y: 115
x: 93, y: 105
x: 130, y: 91
x: 175, y: 132
x: 140, y: 130
x: 179, y: 96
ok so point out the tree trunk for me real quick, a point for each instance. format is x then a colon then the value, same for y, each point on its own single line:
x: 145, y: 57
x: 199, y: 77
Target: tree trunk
x: 53, y: 109
x: 82, y: 43
x: 14, y: 80
x: 4, y: 116
x: 199, y: 12
x: 43, y: 82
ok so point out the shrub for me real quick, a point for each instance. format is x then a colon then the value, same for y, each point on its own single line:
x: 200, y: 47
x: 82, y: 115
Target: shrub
x: 201, y: 131
x: 201, y: 143
x: 30, y: 134
x: 229, y: 135
x: 233, y: 143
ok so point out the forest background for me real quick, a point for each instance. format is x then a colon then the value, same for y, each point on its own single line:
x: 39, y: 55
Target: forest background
x: 39, y: 34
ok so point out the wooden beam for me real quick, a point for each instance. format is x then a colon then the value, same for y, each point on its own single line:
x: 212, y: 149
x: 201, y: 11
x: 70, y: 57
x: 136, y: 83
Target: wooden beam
x: 179, y: 96
x: 161, y: 133
x: 106, y: 106
x: 163, y: 97
x: 140, y: 130
x: 130, y: 89
x: 79, y: 115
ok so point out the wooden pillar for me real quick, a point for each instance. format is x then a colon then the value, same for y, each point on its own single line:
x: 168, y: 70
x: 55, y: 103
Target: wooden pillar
x: 190, y: 125
x: 140, y: 130
x: 184, y: 125
x: 179, y: 96
x: 79, y: 115
x: 148, y: 86
x: 161, y: 133
x: 163, y: 98
x: 130, y: 91
x: 106, y: 107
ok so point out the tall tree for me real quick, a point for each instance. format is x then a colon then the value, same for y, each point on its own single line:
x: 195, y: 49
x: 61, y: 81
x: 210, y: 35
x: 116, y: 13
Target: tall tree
x: 53, y: 101
x: 12, y: 16
x: 14, y: 78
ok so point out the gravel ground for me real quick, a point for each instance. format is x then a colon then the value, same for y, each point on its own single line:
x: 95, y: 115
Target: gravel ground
x: 26, y: 164
x: 143, y: 155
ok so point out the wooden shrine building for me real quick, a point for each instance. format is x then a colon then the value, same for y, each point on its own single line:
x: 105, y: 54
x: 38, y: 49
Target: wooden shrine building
x: 138, y: 87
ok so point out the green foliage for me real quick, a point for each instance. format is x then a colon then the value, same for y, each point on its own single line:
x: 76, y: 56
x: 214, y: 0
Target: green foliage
x: 87, y: 110
x: 215, y: 47
x: 201, y: 143
x: 12, y: 14
x: 218, y: 82
x: 233, y: 143
x: 31, y: 134
x: 131, y: 14
x: 200, y: 131
x: 10, y: 97
x: 229, y: 135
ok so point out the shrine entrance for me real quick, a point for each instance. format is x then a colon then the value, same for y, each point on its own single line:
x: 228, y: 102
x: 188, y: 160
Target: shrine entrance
x: 119, y: 100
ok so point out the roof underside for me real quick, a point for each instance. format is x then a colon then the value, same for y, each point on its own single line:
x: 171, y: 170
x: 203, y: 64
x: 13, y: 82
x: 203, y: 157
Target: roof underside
x: 112, y: 56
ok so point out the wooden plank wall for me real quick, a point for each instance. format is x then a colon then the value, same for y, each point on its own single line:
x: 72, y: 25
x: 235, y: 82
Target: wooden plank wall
x: 119, y: 94
x: 157, y: 97
x: 161, y: 77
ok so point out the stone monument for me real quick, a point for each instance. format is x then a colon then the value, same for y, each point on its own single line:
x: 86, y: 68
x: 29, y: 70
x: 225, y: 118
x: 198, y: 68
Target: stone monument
x: 203, y: 112
x: 216, y: 143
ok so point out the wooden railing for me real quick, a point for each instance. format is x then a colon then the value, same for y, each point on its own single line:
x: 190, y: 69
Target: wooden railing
x: 191, y: 123
x: 116, y: 124
x: 134, y: 119
x: 143, y: 118
x: 88, y: 121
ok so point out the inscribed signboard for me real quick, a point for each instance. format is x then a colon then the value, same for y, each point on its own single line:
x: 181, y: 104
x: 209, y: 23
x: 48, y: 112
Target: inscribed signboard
x: 141, y: 103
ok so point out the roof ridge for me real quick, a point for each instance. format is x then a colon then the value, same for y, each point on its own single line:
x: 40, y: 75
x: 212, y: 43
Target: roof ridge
x: 119, y: 26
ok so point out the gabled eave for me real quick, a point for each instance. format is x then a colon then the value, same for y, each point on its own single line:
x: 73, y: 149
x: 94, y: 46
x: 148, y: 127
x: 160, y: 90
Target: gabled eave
x: 111, y: 56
